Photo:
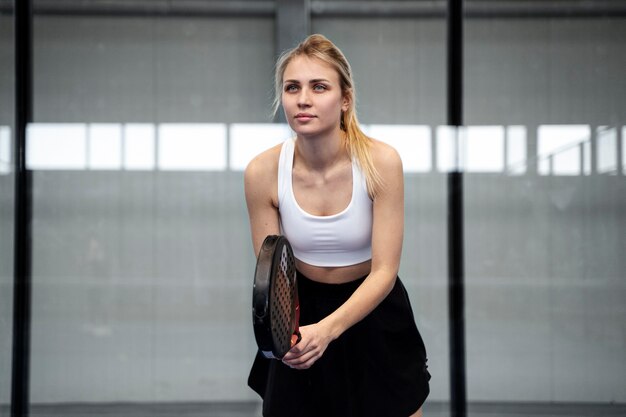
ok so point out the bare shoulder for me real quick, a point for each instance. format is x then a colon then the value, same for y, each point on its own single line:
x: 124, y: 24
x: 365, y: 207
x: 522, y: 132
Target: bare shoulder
x: 386, y: 158
x: 261, y: 179
x: 264, y: 166
x: 261, y: 191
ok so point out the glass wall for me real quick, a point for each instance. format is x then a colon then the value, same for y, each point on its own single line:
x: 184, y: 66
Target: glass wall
x: 142, y: 261
x: 7, y: 198
x: 399, y: 71
x: 545, y: 209
x: 145, y: 117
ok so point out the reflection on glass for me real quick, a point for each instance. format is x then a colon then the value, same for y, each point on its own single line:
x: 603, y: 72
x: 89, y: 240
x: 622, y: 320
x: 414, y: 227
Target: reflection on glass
x: 192, y: 147
x: 247, y: 140
x: 516, y: 149
x: 139, y: 146
x: 5, y: 149
x: 473, y: 148
x: 413, y: 143
x: 484, y: 149
x: 606, y: 146
x: 563, y: 149
x: 56, y: 146
x: 624, y: 149
x: 448, y: 147
x: 105, y: 146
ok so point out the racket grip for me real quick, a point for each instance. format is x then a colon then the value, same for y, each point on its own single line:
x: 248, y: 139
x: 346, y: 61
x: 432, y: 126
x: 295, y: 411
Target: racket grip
x: 295, y: 338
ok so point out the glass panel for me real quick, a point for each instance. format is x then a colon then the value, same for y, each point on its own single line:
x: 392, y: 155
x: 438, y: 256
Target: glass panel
x: 399, y: 71
x: 7, y: 198
x: 142, y: 258
x: 544, y: 245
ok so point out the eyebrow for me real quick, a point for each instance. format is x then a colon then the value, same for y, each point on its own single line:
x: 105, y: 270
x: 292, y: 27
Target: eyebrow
x: 316, y: 80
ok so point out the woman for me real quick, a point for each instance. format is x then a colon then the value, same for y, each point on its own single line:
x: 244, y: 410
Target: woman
x: 338, y: 197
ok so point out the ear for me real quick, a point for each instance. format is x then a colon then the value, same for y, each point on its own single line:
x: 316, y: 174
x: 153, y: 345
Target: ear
x: 346, y: 100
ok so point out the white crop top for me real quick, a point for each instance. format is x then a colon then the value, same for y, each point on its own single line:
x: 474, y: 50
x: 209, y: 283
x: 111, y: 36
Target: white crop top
x: 340, y: 239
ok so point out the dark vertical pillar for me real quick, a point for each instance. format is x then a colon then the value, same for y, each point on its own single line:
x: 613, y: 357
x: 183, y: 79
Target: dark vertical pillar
x: 455, y: 62
x: 293, y: 24
x: 456, y: 290
x: 456, y: 299
x: 23, y: 197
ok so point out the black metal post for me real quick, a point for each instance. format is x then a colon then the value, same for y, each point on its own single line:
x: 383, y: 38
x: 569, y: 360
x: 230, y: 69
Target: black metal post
x: 23, y: 198
x: 456, y: 296
x: 455, y: 62
x: 293, y: 24
x: 456, y: 299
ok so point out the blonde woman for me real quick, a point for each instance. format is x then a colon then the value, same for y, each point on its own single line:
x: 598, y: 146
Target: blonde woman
x: 338, y: 196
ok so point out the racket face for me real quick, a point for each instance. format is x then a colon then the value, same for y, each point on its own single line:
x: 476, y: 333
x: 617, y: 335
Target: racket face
x: 282, y: 299
x: 274, y: 303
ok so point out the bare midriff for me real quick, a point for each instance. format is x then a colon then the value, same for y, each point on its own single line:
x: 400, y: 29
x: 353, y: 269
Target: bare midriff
x: 336, y: 274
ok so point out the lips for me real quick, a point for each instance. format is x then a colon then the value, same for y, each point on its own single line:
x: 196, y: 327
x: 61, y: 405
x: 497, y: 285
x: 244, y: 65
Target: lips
x: 304, y: 116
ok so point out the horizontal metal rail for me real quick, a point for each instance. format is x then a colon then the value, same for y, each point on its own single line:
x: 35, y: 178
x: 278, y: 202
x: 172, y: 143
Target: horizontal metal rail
x: 475, y: 9
x: 147, y: 8
x: 356, y: 9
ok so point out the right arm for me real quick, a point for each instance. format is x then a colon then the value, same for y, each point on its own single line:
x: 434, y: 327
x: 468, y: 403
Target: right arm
x: 261, y: 189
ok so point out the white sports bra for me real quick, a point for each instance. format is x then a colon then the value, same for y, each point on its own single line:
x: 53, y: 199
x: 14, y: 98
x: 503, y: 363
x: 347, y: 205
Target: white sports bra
x: 340, y: 239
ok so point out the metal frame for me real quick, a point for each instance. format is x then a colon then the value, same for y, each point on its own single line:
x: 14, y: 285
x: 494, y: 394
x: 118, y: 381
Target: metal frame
x: 456, y: 244
x: 293, y: 23
x: 380, y: 8
x: 164, y: 8
x: 473, y: 9
x: 23, y: 197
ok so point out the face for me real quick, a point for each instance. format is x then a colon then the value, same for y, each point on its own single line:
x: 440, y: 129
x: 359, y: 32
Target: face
x: 312, y: 97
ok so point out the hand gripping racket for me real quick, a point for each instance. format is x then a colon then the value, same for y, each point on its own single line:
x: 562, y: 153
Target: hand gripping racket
x: 275, y: 305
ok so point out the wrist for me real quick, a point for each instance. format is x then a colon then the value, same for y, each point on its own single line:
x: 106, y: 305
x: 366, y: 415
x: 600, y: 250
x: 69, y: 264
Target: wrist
x: 333, y: 327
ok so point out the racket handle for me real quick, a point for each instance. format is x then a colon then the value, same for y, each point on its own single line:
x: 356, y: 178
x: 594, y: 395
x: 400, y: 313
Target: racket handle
x: 295, y: 338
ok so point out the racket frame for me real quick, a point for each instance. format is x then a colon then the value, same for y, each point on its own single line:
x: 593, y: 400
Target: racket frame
x: 268, y: 261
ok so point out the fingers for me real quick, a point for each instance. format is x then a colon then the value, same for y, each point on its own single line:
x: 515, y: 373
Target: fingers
x: 302, y: 355
x: 296, y: 351
x: 309, y: 349
x: 304, y: 361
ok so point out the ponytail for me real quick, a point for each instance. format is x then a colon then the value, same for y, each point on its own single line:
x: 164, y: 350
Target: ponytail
x: 359, y: 145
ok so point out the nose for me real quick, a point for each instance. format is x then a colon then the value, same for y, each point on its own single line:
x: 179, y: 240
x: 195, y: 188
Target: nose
x: 304, y: 98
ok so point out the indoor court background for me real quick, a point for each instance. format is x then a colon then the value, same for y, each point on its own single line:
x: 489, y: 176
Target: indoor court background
x: 146, y: 111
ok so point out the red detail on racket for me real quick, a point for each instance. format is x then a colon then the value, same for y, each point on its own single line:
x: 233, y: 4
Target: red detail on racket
x: 275, y: 305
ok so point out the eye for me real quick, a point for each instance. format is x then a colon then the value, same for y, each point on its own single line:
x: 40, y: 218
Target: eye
x: 290, y: 88
x: 319, y: 87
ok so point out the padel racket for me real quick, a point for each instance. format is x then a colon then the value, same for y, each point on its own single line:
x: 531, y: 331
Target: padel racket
x: 275, y: 305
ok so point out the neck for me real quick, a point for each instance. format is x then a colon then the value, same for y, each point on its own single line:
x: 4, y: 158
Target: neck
x: 320, y: 153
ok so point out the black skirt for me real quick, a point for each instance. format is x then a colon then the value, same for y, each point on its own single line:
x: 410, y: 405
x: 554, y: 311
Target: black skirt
x: 377, y: 368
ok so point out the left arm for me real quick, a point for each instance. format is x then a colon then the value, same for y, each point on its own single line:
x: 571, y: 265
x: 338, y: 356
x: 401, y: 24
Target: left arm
x: 387, y: 235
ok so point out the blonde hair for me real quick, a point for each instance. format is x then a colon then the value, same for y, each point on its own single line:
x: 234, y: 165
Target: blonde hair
x: 356, y: 142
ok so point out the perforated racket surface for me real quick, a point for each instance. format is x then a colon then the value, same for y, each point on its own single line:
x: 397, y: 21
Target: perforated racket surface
x: 275, y: 306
